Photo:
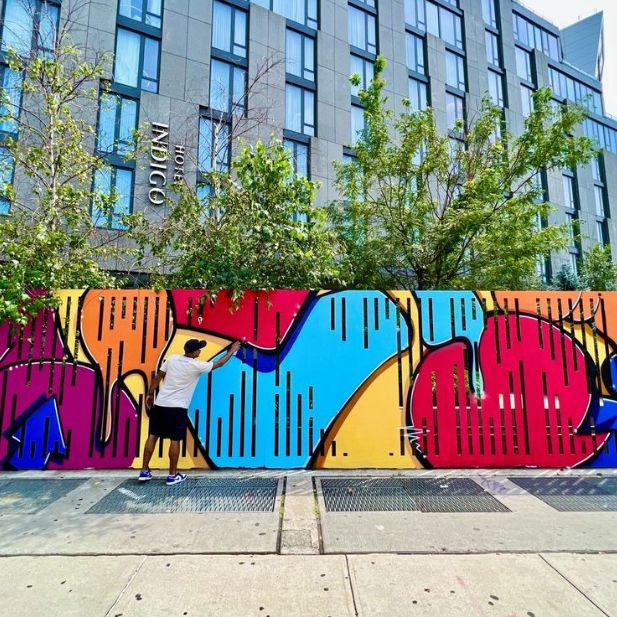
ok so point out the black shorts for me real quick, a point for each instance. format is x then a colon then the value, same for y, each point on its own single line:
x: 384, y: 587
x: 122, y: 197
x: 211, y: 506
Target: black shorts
x: 168, y: 422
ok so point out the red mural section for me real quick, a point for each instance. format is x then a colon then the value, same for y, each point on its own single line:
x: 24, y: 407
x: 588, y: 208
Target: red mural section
x: 536, y: 397
x: 261, y: 319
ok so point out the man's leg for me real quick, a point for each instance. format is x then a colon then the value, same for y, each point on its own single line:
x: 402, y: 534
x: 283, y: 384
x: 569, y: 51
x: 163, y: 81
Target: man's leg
x: 174, y: 454
x: 149, y: 450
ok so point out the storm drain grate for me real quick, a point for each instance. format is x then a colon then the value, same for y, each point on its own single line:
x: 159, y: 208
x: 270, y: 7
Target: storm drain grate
x: 447, y: 487
x: 570, y: 486
x: 32, y: 496
x: 201, y: 495
x: 581, y: 503
x: 388, y: 495
x: 460, y: 503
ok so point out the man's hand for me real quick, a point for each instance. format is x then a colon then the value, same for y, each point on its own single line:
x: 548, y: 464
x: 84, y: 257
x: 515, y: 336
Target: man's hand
x: 235, y: 346
x: 149, y: 401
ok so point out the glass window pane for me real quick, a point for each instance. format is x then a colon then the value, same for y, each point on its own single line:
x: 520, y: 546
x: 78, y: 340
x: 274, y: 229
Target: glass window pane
x: 128, y: 124
x: 6, y: 179
x: 11, y: 100
x: 239, y: 88
x: 48, y: 26
x: 294, y: 53
x: 417, y: 95
x: 128, y: 46
x: 432, y: 19
x: 102, y: 186
x: 131, y: 9
x: 240, y: 33
x: 219, y: 85
x: 18, y: 25
x: 124, y: 188
x: 309, y: 113
x: 293, y: 108
x: 357, y: 123
x: 221, y: 26
x: 107, y: 124
x: 154, y: 12
x: 150, y: 74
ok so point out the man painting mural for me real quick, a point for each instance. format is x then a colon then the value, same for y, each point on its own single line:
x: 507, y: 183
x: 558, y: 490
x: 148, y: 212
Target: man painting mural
x: 169, y: 417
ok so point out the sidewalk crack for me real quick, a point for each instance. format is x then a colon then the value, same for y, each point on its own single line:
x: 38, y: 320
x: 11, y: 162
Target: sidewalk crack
x: 565, y: 578
x: 353, y: 593
x: 132, y: 577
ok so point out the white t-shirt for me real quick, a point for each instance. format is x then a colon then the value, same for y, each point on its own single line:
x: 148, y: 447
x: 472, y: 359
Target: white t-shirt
x: 181, y: 376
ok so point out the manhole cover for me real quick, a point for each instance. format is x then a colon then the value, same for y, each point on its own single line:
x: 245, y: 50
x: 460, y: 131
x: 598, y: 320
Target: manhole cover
x: 194, y: 495
x: 32, y: 496
x: 450, y: 487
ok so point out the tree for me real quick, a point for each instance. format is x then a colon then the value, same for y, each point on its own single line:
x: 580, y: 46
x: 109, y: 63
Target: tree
x: 464, y: 210
x: 598, y: 272
x: 566, y: 279
x: 256, y: 229
x: 48, y: 240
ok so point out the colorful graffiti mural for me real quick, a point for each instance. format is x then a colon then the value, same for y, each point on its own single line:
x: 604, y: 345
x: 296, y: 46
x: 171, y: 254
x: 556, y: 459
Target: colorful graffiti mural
x: 324, y: 380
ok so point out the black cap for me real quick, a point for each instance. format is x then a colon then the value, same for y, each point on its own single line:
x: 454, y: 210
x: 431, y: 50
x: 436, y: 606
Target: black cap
x: 193, y: 345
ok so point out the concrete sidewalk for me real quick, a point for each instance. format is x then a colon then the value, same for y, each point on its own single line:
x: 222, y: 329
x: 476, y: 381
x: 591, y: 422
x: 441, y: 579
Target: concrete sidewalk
x: 63, y: 556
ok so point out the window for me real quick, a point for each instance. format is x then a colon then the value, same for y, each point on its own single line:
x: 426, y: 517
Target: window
x: 214, y: 149
x: 357, y: 123
x: 596, y: 169
x: 298, y: 153
x: 300, y: 55
x: 568, y: 192
x: 488, y: 13
x: 565, y: 87
x: 495, y: 88
x: 523, y: 64
x: 454, y: 110
x: 415, y: 54
x: 117, y: 123
x: 418, y: 98
x: 299, y: 109
x: 533, y: 36
x: 229, y: 31
x: 527, y: 100
x: 301, y: 11
x: 599, y: 199
x: 137, y: 60
x: 227, y: 87
x: 602, y: 233
x: 365, y: 69
x: 362, y: 32
x: 415, y: 15
x: 113, y: 182
x: 445, y: 24
x: 455, y: 71
x: 25, y: 18
x: 11, y: 100
x: 148, y: 12
x: 6, y: 179
x: 492, y: 48
x: 574, y: 262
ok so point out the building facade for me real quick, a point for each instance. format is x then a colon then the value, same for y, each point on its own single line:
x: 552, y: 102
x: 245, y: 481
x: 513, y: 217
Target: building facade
x: 192, y: 73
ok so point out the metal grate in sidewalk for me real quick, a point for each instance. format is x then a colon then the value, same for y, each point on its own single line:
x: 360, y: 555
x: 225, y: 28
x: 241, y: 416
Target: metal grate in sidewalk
x: 193, y: 495
x: 29, y: 496
x: 405, y: 494
x: 572, y: 494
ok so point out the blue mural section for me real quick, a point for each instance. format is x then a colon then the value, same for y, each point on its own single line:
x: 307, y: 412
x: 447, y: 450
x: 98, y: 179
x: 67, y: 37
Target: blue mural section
x: 605, y: 418
x: 268, y: 410
x: 37, y: 436
x: 447, y: 315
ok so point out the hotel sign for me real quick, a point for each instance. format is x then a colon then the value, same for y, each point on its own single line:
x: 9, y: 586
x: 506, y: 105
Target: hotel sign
x: 160, y: 163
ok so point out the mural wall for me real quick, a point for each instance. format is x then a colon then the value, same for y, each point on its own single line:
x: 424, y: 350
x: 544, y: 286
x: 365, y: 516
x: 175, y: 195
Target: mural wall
x: 324, y: 380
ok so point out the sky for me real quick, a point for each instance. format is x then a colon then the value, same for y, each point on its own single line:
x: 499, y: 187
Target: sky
x: 565, y: 12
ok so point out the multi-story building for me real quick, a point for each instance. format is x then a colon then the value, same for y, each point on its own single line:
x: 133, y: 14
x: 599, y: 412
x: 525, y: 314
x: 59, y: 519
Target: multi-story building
x: 194, y: 72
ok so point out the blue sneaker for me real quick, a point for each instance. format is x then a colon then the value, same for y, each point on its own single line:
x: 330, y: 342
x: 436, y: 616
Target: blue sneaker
x: 179, y: 477
x: 144, y: 476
